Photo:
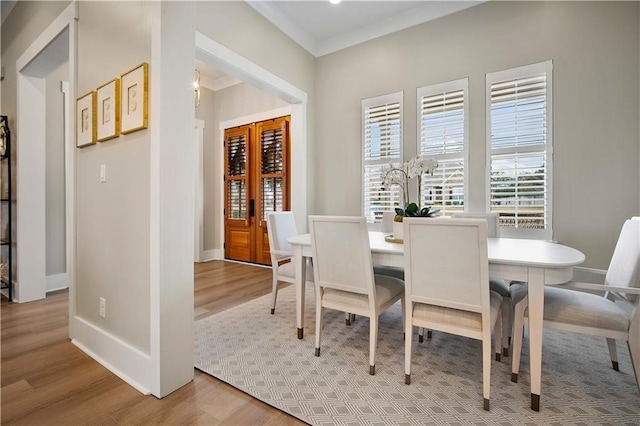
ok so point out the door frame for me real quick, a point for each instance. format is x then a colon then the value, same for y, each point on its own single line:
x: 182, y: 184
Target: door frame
x: 223, y: 58
x: 241, y: 121
x: 30, y: 171
x: 198, y: 231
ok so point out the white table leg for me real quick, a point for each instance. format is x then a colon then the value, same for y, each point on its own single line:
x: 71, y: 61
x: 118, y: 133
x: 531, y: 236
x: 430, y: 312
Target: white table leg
x: 300, y: 268
x: 536, y: 315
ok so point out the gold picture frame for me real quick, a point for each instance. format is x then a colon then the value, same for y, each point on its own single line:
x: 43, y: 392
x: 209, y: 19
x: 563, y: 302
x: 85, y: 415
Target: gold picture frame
x: 86, y: 120
x: 108, y: 110
x: 134, y: 94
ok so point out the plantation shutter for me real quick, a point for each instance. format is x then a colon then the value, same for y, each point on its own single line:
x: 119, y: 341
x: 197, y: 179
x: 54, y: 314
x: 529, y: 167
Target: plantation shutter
x: 442, y: 135
x: 272, y: 170
x: 382, y: 145
x: 519, y: 148
x: 237, y: 179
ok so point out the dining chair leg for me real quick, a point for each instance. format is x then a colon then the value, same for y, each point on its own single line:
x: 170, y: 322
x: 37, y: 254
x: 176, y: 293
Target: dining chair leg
x: 634, y: 352
x: 347, y: 318
x: 498, y: 335
x: 613, y: 353
x: 373, y: 341
x: 486, y: 369
x: 506, y: 324
x: 274, y: 294
x: 518, y: 332
x: 421, y: 334
x: 319, y: 314
x: 408, y: 343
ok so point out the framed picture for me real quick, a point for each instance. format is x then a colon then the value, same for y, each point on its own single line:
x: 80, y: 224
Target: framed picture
x: 134, y: 88
x: 108, y: 110
x: 86, y: 120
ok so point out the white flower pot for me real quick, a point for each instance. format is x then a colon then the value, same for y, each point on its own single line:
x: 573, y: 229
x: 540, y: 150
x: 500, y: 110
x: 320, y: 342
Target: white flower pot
x: 397, y: 230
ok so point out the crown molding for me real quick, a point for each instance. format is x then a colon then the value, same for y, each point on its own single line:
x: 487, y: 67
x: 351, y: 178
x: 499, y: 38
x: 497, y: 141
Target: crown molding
x: 290, y: 28
x: 424, y: 12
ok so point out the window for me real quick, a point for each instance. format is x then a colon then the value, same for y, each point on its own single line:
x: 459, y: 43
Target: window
x: 519, y: 149
x: 442, y: 134
x: 382, y: 145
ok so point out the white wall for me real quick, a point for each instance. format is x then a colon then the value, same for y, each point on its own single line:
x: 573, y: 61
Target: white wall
x: 134, y: 239
x: 112, y: 218
x: 594, y: 48
x: 55, y: 191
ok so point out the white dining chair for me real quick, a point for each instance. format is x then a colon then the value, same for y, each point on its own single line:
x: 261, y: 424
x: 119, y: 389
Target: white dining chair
x: 447, y: 285
x: 344, y: 278
x: 498, y: 285
x: 280, y: 226
x: 385, y: 226
x: 392, y: 271
x: 615, y: 315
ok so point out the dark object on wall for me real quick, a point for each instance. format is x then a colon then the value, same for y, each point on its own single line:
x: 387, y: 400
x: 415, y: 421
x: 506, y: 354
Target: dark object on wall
x: 6, y: 237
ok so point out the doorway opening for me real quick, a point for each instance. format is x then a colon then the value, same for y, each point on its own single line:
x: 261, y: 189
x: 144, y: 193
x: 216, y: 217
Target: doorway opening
x: 234, y: 65
x: 256, y: 184
x: 44, y: 172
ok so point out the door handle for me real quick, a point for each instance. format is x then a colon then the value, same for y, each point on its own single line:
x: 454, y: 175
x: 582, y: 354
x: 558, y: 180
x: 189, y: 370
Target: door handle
x: 252, y: 208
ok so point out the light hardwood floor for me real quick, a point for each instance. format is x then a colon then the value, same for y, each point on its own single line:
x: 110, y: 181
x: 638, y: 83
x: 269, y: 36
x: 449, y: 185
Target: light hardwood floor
x: 47, y: 380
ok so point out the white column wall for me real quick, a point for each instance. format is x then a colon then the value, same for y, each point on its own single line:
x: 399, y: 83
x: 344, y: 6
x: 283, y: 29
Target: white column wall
x: 172, y: 123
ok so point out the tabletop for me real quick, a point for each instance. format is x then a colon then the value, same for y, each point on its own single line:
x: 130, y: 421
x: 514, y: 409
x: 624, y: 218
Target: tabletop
x: 508, y: 251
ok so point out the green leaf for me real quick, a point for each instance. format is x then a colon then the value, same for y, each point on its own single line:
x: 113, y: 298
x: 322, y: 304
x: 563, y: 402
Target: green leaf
x: 399, y: 211
x: 412, y: 208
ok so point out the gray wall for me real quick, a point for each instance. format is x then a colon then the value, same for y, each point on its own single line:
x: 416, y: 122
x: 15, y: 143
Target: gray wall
x: 55, y: 200
x: 25, y: 23
x: 112, y: 218
x: 595, y: 51
x: 27, y: 20
x: 230, y: 103
x: 241, y: 29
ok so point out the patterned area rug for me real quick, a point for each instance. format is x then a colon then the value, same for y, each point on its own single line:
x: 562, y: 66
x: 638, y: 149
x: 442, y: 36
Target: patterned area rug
x: 259, y: 354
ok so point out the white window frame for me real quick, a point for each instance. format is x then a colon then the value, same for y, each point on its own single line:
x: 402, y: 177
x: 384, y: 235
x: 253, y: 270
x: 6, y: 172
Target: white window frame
x: 514, y: 73
x: 397, y: 97
x: 461, y: 84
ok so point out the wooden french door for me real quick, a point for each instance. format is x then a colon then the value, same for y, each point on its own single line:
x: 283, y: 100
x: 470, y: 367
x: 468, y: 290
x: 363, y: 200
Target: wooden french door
x: 256, y: 183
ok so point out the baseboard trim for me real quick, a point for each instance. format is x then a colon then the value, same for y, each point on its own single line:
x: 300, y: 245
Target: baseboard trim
x: 214, y: 254
x: 57, y: 282
x: 128, y: 363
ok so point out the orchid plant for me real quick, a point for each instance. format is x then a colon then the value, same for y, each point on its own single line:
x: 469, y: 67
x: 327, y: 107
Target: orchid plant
x: 400, y: 176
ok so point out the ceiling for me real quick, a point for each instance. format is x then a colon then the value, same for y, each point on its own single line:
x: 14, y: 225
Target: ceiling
x: 322, y: 28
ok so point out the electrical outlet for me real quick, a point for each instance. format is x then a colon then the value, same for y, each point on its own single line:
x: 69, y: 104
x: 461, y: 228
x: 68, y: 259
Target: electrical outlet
x: 103, y: 307
x: 103, y: 173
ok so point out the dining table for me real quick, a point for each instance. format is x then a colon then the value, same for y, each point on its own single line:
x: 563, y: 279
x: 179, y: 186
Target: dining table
x: 536, y: 262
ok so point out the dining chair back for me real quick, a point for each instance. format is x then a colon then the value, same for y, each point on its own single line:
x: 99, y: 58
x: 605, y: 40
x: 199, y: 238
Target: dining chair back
x: 447, y: 284
x: 498, y: 285
x: 387, y: 228
x: 493, y: 221
x: 280, y: 226
x: 344, y: 277
x: 615, y: 315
